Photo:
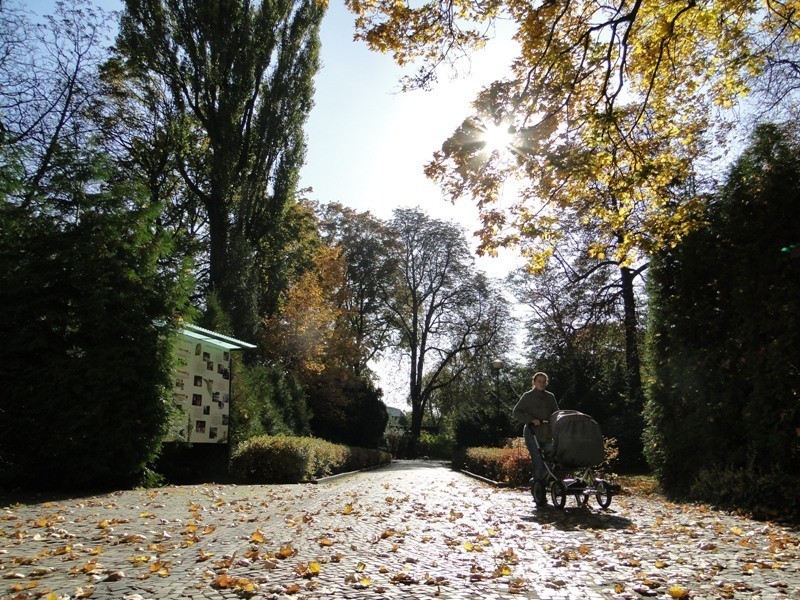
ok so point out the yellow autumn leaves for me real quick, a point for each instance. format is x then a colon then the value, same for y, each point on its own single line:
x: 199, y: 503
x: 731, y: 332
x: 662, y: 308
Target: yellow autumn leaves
x: 613, y: 106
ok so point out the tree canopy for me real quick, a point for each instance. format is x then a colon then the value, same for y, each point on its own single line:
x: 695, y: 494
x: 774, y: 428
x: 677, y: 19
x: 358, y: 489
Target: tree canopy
x: 610, y: 106
x: 440, y: 310
x: 237, y: 78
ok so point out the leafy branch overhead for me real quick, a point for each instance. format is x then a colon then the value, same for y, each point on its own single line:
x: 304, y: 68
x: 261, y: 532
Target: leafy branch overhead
x: 610, y: 106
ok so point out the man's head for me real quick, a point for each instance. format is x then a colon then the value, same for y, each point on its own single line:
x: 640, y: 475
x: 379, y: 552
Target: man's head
x: 539, y: 380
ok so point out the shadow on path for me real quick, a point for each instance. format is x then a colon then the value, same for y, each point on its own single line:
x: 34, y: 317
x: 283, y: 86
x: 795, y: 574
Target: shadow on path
x: 572, y: 519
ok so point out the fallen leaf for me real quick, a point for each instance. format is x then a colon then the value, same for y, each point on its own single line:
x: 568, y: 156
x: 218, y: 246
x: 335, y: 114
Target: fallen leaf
x: 257, y: 537
x: 677, y: 592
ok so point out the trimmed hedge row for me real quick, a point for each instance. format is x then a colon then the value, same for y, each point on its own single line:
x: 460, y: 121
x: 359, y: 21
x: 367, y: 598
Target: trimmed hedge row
x: 511, y: 465
x: 288, y: 459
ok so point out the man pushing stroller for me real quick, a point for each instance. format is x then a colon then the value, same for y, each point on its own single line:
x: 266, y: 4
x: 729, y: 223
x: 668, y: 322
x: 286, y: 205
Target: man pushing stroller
x: 534, y: 409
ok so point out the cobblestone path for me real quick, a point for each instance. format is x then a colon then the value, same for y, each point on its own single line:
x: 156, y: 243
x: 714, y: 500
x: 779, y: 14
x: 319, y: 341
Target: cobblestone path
x: 408, y: 530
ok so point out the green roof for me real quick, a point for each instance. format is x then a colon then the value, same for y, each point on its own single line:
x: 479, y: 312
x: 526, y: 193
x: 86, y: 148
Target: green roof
x: 212, y: 337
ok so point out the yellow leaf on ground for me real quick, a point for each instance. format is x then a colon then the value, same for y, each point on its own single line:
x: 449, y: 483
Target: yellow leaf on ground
x: 676, y: 591
x: 257, y: 537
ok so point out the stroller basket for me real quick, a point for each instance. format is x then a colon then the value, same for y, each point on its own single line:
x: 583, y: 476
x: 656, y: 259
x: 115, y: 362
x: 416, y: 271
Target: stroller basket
x: 577, y: 439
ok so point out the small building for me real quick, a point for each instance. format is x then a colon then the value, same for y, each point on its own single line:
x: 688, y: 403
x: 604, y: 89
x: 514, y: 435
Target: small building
x: 202, y: 384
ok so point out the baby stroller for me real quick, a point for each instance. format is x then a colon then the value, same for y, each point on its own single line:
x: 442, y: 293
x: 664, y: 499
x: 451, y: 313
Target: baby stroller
x: 577, y: 449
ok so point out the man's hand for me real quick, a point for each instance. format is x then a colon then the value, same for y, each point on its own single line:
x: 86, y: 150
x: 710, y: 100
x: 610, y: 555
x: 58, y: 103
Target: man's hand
x: 536, y: 422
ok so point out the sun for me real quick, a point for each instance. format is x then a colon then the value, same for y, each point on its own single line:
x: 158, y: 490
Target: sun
x: 496, y: 138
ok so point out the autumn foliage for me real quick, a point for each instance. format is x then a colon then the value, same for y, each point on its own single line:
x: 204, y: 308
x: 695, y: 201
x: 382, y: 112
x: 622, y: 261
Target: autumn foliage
x: 311, y: 335
x: 505, y: 465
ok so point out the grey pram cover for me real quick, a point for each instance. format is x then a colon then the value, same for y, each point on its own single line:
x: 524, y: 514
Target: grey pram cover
x: 577, y: 439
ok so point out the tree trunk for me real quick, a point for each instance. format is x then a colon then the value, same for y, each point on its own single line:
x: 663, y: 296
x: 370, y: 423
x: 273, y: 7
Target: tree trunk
x: 218, y: 249
x: 632, y: 363
x: 417, y: 406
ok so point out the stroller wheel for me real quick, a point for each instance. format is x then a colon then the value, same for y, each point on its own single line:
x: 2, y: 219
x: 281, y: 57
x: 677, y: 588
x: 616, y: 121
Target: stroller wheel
x: 558, y: 494
x: 539, y: 493
x: 602, y: 494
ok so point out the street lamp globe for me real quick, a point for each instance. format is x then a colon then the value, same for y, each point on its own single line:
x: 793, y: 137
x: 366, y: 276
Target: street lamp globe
x: 497, y: 364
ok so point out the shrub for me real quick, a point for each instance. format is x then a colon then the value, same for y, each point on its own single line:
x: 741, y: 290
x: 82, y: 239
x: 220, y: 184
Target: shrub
x: 266, y: 400
x: 767, y: 495
x: 394, y: 440
x: 483, y: 427
x: 504, y: 465
x: 511, y: 464
x: 436, y: 446
x: 723, y: 334
x: 285, y: 459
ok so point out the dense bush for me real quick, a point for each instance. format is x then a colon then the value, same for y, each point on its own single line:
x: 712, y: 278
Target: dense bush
x: 285, y: 459
x: 266, y: 400
x: 722, y: 408
x: 346, y: 409
x: 394, y: 440
x: 88, y: 296
x: 483, y: 427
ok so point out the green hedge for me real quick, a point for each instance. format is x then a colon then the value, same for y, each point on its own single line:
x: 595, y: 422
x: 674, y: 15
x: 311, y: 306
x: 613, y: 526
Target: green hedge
x: 287, y: 459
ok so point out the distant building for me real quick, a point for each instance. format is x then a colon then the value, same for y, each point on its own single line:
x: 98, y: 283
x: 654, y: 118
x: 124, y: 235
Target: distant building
x: 395, y: 416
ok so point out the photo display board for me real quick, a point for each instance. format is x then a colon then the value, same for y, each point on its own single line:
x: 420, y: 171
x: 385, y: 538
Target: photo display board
x: 202, y: 391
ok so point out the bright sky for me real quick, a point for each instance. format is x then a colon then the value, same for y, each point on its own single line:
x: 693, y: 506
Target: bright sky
x: 368, y: 142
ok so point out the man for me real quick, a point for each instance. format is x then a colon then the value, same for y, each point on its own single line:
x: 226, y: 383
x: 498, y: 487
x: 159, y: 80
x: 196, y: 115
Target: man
x: 534, y: 410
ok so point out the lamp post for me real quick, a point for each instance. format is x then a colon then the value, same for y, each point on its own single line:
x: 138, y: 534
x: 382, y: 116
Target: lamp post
x: 497, y: 364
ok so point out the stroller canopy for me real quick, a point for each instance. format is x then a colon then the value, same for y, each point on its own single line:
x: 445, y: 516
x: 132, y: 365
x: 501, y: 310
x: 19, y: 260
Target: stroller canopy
x: 577, y: 440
